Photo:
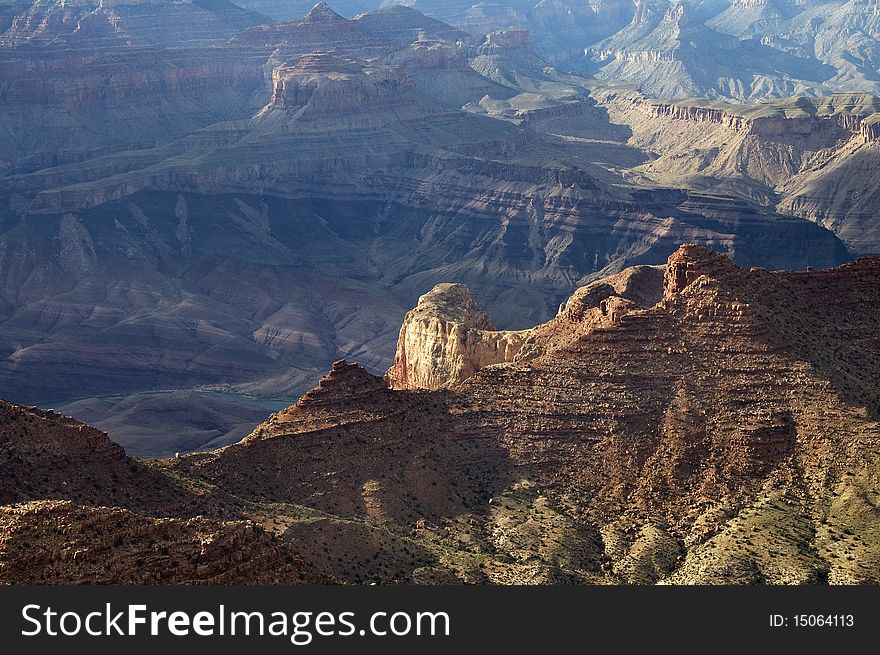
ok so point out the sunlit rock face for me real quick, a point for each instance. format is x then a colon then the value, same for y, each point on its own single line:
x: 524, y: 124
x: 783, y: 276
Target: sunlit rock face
x: 446, y: 339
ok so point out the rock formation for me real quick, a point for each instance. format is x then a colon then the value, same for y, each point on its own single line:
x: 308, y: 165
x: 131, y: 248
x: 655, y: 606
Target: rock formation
x: 446, y: 339
x: 100, y: 545
x: 321, y: 84
x: 691, y: 423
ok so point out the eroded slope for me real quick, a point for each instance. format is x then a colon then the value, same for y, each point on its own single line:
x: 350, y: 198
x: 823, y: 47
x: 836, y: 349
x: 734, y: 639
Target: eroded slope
x: 719, y: 425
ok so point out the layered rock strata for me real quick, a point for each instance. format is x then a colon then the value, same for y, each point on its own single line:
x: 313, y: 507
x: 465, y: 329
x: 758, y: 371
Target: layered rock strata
x: 692, y: 423
x: 636, y: 440
x: 101, y: 545
x: 446, y: 339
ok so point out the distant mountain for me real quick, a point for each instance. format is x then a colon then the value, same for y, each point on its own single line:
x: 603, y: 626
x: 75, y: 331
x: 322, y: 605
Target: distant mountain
x: 404, y: 25
x: 781, y: 48
x: 736, y: 49
x: 285, y: 10
x: 748, y: 18
x: 105, y: 23
x: 560, y: 28
x: 667, y: 52
x: 811, y: 157
x: 841, y: 34
x: 849, y: 40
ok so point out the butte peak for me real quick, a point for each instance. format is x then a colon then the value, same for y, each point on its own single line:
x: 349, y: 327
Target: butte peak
x: 453, y: 303
x: 447, y: 338
x: 510, y: 38
x: 322, y: 84
x: 322, y: 13
x: 344, y: 379
x: 691, y: 261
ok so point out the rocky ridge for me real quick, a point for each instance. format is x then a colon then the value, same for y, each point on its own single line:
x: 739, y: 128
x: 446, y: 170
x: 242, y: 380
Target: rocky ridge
x: 691, y: 423
x: 76, y: 510
x: 48, y: 456
x: 101, y: 545
x: 854, y: 113
x: 797, y: 156
x: 671, y: 424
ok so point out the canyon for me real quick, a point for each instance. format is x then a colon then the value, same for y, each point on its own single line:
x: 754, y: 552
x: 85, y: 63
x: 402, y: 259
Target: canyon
x: 230, y: 214
x: 809, y: 157
x: 439, y: 292
x: 694, y: 422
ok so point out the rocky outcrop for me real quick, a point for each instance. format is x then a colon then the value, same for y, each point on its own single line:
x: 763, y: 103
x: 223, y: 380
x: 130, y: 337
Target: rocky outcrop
x: 642, y: 56
x: 49, y: 456
x: 446, y: 339
x: 870, y: 128
x: 690, y: 113
x: 322, y: 84
x: 100, y: 545
x: 468, y: 180
x: 777, y: 125
x: 638, y: 442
